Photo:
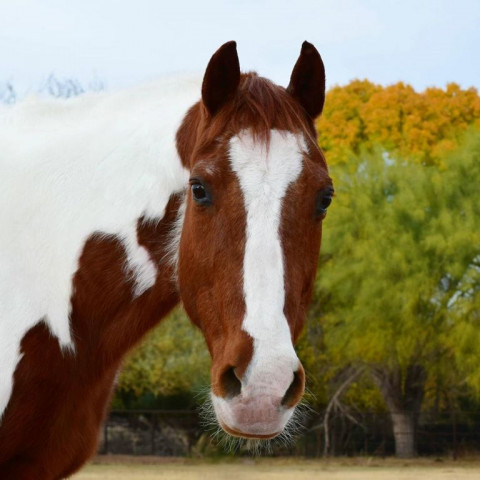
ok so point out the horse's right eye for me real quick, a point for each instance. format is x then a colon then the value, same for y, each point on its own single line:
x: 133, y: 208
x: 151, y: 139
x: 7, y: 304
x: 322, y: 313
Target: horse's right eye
x: 200, y: 193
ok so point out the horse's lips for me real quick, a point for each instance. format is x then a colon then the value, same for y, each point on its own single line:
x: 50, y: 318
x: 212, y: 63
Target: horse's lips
x: 261, y: 418
x: 236, y: 433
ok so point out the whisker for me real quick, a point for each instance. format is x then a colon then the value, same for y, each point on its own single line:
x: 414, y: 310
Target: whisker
x: 296, y: 425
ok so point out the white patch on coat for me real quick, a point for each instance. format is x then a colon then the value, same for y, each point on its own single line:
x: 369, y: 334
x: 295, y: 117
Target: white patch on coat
x: 68, y: 169
x: 264, y: 175
x: 139, y: 264
x: 171, y: 255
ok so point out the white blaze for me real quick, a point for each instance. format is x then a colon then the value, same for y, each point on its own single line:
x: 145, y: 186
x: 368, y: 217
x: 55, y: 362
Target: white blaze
x: 265, y: 175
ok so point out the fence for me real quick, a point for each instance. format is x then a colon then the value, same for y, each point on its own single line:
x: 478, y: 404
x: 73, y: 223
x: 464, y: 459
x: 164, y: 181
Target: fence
x: 179, y: 433
x: 150, y: 432
x: 447, y: 433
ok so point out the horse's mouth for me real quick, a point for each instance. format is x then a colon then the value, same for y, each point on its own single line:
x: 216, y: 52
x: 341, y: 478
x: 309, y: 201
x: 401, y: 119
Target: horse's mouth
x: 237, y: 433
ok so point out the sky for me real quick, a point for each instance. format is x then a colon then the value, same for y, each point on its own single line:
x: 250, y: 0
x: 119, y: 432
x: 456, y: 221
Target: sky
x: 126, y: 42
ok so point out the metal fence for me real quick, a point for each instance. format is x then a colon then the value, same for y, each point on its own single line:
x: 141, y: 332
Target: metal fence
x: 370, y: 433
x: 150, y: 432
x: 179, y: 433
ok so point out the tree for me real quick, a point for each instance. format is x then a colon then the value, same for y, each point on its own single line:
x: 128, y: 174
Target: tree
x: 8, y: 95
x: 400, y: 278
x: 172, y: 360
x: 420, y: 126
x: 341, y: 128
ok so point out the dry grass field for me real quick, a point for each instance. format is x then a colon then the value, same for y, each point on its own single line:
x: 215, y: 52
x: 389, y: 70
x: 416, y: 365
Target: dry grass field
x: 280, y: 469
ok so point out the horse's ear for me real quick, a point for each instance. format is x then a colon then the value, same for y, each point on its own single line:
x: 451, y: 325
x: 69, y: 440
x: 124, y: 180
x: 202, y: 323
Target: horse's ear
x: 307, y: 83
x: 221, y: 77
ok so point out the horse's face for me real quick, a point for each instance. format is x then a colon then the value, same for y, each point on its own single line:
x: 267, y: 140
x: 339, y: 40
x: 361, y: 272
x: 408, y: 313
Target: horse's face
x: 259, y: 189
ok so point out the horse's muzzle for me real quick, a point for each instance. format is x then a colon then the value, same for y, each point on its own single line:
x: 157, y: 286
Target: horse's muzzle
x: 260, y: 404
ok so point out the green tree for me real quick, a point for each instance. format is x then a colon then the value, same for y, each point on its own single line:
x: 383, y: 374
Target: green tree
x: 172, y: 360
x: 398, y: 292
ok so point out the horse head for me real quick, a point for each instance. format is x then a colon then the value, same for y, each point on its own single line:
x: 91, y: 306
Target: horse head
x: 252, y: 223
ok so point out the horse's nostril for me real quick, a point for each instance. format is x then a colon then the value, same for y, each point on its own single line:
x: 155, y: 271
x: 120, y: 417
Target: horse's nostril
x: 295, y: 390
x: 230, y: 383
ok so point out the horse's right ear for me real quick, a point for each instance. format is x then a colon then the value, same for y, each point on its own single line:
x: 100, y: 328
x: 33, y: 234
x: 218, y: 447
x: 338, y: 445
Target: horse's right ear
x: 221, y: 77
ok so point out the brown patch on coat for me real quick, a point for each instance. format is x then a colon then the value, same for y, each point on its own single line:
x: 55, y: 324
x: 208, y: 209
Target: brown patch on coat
x: 59, y: 401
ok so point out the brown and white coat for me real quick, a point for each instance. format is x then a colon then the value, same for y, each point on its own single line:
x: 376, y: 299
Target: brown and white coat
x: 114, y: 208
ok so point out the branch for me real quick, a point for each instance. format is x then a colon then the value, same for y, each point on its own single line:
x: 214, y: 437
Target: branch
x: 334, y: 401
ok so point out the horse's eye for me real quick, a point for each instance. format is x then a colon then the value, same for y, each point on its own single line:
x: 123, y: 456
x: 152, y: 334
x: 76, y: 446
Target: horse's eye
x: 323, y: 201
x: 200, y: 194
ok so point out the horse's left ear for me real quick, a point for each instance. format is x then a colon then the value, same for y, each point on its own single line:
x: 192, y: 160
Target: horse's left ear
x: 221, y: 78
x: 307, y: 83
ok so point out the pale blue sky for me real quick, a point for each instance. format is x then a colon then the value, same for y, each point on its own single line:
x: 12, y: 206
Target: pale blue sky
x: 125, y: 42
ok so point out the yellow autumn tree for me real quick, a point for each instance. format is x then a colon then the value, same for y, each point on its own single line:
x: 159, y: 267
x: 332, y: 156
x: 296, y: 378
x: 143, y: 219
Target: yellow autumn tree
x: 420, y: 126
x: 341, y: 127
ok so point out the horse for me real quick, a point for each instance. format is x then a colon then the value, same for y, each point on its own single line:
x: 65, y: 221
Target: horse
x: 117, y: 206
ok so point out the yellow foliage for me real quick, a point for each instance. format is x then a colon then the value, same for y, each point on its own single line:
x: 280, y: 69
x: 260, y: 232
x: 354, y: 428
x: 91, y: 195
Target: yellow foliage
x: 422, y: 126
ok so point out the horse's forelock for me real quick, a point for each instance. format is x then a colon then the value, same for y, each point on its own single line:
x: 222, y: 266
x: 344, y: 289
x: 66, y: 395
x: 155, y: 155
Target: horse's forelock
x: 259, y: 106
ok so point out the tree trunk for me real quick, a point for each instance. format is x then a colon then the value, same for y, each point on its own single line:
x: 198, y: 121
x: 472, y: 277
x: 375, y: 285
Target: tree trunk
x: 404, y: 430
x: 403, y: 391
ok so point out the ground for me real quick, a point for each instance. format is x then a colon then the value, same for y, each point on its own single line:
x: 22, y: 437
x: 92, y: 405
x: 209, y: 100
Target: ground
x: 151, y: 468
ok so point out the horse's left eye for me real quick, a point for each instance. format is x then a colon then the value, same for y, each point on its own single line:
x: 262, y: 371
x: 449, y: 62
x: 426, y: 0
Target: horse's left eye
x: 200, y: 194
x: 323, y: 201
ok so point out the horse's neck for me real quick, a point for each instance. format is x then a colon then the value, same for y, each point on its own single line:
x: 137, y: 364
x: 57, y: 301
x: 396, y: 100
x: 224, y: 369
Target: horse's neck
x: 107, y: 317
x: 73, y: 169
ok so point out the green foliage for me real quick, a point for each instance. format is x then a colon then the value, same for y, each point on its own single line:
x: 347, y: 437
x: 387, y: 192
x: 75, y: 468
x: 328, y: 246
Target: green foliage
x: 172, y: 360
x: 399, y: 282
